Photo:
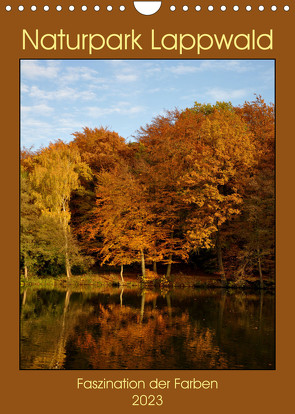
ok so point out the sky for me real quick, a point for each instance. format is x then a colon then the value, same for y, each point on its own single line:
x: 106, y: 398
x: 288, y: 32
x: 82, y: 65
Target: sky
x: 60, y: 97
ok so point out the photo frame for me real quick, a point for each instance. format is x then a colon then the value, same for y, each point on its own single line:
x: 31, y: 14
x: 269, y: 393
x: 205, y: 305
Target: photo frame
x: 263, y: 32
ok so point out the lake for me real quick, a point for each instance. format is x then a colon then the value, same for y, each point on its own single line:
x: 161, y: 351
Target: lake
x: 121, y: 328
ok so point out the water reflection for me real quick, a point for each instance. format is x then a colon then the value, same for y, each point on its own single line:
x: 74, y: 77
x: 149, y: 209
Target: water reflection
x: 119, y: 328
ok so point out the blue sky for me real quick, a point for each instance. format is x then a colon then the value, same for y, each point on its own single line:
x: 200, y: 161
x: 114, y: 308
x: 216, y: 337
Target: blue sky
x: 60, y: 97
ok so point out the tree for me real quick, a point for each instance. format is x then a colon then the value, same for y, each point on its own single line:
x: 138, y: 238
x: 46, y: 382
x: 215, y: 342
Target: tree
x: 253, y: 233
x: 231, y: 158
x: 162, y: 153
x: 122, y: 219
x: 194, y: 161
x: 28, y: 224
x: 55, y: 175
x: 194, y: 180
x: 101, y: 150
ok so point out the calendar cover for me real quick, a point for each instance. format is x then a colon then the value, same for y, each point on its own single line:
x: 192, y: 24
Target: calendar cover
x: 147, y: 206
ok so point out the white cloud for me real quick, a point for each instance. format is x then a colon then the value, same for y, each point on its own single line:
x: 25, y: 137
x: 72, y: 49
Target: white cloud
x: 219, y: 94
x: 35, y: 123
x: 123, y: 108
x: 135, y: 109
x: 36, y: 132
x: 61, y: 93
x: 68, y: 123
x: 41, y: 109
x: 268, y: 76
x: 153, y: 90
x: 70, y: 95
x: 126, y: 77
x: 152, y: 70
x: 82, y: 73
x: 211, y: 65
x: 117, y: 62
x: 32, y: 69
x: 124, y: 71
x: 189, y: 97
x: 226, y: 65
x: 183, y: 69
x: 24, y: 88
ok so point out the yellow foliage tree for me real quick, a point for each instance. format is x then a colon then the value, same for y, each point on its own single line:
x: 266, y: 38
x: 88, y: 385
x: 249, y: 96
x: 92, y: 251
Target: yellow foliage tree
x: 56, y: 172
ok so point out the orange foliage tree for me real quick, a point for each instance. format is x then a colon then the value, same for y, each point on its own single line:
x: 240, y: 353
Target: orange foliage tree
x: 202, y: 178
x: 123, y: 219
x: 252, y: 234
x: 102, y: 150
x: 194, y: 161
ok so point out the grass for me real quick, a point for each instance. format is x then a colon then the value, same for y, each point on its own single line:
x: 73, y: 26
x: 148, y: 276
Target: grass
x: 131, y: 281
x: 81, y: 280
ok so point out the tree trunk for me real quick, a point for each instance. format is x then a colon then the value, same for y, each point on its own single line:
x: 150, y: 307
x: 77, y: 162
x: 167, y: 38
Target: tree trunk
x: 169, y: 306
x: 168, y: 273
x: 67, y: 260
x: 68, y: 266
x: 142, y: 264
x: 259, y: 269
x: 219, y: 258
x: 121, y: 297
x: 121, y: 273
x: 155, y: 267
x: 26, y: 272
x: 220, y: 316
x: 142, y: 306
x: 67, y: 300
x: 261, y: 310
x: 24, y: 297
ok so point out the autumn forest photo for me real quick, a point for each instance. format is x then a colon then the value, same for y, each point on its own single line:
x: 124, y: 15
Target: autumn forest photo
x: 147, y: 214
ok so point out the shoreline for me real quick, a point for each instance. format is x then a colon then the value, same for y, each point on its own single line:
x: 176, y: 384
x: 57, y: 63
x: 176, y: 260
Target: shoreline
x: 113, y: 280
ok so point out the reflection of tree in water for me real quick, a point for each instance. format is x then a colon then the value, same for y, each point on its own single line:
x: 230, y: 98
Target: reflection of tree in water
x: 124, y: 337
x: 246, y: 329
x: 59, y: 354
x: 118, y: 329
x: 46, y: 322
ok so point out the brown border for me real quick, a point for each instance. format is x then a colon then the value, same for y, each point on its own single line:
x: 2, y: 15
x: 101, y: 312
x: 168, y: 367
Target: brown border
x: 35, y: 391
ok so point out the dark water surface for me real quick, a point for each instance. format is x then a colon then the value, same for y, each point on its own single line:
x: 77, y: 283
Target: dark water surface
x: 115, y: 328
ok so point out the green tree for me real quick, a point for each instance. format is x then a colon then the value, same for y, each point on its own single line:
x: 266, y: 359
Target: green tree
x: 55, y: 175
x: 28, y: 224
